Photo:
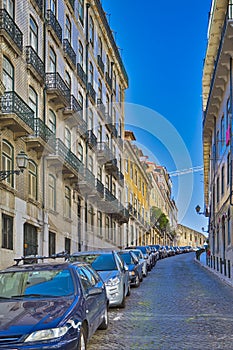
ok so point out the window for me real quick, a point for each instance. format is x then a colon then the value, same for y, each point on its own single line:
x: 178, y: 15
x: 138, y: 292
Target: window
x: 108, y: 104
x: 107, y: 65
x: 114, y: 82
x: 99, y: 223
x: 8, y: 74
x: 217, y: 189
x: 67, y: 245
x: 80, y: 51
x: 222, y: 131
x: 127, y: 165
x: 52, y: 243
x: 90, y: 163
x: 81, y: 10
x: 120, y: 128
x: 68, y: 29
x: 91, y: 74
x: 33, y: 34
x: 114, y: 189
x: 9, y: 7
x: 100, y: 47
x: 67, y: 209
x: 91, y: 32
x: 33, y: 101
x: 228, y: 168
x: 107, y: 140
x: 7, y: 232
x: 228, y: 112
x: 67, y: 138
x: 90, y: 119
x: 53, y: 6
x: 107, y: 227
x: 100, y: 90
x: 7, y: 161
x: 52, y: 121
x: 100, y: 133
x: 107, y: 182
x: 218, y: 145
x: 99, y: 173
x: 52, y: 61
x: 126, y: 194
x: 223, y: 180
x: 131, y: 170
x: 80, y: 152
x: 52, y: 192
x: 80, y: 100
x: 68, y: 80
x: 32, y: 179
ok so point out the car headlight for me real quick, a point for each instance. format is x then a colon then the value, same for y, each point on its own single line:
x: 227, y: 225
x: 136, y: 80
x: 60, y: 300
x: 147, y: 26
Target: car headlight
x: 112, y: 281
x: 47, y: 334
x: 132, y: 273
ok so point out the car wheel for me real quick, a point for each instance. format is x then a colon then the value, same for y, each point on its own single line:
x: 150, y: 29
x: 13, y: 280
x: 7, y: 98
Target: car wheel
x: 129, y: 291
x: 137, y: 281
x: 104, y: 323
x: 83, y: 339
x: 122, y: 304
x: 141, y: 277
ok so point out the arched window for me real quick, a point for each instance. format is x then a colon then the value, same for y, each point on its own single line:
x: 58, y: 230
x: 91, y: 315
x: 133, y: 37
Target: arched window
x: 91, y: 31
x: 33, y: 101
x: 8, y: 74
x: 52, y: 192
x: 52, y: 121
x: 80, y: 51
x: 33, y: 34
x: 7, y: 160
x: 52, y: 61
x: 68, y: 29
x: 32, y: 179
x: 67, y: 138
x: 67, y: 206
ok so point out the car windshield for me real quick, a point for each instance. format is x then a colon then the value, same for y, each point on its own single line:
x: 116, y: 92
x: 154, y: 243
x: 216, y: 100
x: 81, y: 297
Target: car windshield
x: 126, y: 257
x: 36, y: 283
x: 100, y: 262
x: 138, y: 253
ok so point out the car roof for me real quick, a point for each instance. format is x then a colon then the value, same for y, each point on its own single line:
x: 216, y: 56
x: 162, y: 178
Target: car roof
x: 89, y: 252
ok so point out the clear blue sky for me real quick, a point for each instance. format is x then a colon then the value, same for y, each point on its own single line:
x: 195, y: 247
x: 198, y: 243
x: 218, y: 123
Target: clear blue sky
x: 163, y: 45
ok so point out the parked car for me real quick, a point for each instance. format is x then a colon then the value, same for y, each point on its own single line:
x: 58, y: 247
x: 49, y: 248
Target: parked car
x: 161, y: 250
x: 113, y: 272
x: 142, y: 261
x: 52, y: 305
x: 146, y: 255
x: 155, y: 253
x: 135, y: 269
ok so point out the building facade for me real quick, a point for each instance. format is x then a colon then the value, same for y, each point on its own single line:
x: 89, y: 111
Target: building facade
x: 62, y: 103
x: 186, y: 236
x: 217, y: 135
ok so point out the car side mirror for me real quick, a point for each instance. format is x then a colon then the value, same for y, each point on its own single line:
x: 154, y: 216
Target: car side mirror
x: 126, y: 268
x: 94, y: 291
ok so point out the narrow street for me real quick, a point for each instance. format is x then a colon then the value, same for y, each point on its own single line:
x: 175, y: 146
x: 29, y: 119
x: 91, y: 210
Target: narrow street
x: 180, y: 305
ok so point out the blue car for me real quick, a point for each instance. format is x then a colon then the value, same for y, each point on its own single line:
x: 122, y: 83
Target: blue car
x: 51, y: 305
x: 134, y: 268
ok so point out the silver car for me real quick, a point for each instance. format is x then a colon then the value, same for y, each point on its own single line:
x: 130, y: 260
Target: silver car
x: 112, y: 271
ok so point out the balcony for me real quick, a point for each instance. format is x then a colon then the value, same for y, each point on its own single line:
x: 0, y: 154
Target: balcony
x: 11, y: 32
x: 111, y: 167
x: 69, y: 53
x: 92, y: 93
x: 121, y: 214
x: 57, y: 90
x: 132, y: 211
x: 120, y: 142
x: 110, y: 125
x: 100, y: 64
x: 54, y: 27
x: 91, y: 139
x: 15, y: 114
x: 120, y: 177
x: 108, y: 80
x: 73, y: 114
x: 86, y: 182
x: 43, y: 140
x: 81, y: 75
x: 35, y: 64
x: 39, y: 5
x: 101, y: 107
x: 65, y: 160
x: 108, y: 196
x: 99, y: 188
x: 103, y: 153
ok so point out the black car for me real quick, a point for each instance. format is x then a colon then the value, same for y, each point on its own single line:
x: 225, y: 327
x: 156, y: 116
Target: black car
x: 51, y: 305
x: 135, y: 269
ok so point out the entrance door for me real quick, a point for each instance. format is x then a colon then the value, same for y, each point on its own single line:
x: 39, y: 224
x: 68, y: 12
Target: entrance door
x: 30, y: 243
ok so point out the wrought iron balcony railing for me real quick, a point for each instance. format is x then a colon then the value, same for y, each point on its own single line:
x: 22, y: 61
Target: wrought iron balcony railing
x: 103, y: 152
x: 69, y: 51
x: 11, y: 102
x: 34, y: 60
x: 91, y: 139
x: 39, y: 4
x: 55, y: 83
x: 88, y: 176
x: 100, y: 63
x: 43, y: 131
x: 91, y: 92
x: 99, y: 187
x: 9, y: 26
x: 81, y: 74
x: 54, y: 24
x: 109, y: 197
x: 68, y: 156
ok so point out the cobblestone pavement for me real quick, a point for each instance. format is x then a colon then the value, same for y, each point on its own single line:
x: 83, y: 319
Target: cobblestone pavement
x: 179, y: 306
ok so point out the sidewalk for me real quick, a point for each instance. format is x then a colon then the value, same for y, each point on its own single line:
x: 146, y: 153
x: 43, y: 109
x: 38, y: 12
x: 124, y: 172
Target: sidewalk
x: 203, y: 262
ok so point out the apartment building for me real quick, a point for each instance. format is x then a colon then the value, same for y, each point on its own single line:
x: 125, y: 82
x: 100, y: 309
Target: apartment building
x: 186, y: 236
x: 137, y: 193
x: 62, y: 104
x: 217, y: 135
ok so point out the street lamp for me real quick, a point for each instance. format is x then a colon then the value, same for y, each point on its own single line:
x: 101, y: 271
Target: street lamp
x: 198, y: 211
x: 21, y: 160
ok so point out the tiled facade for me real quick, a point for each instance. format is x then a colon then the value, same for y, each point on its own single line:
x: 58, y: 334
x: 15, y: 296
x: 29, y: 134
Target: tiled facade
x: 217, y: 135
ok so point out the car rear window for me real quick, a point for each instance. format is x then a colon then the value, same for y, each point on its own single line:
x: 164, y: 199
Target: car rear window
x: 100, y: 262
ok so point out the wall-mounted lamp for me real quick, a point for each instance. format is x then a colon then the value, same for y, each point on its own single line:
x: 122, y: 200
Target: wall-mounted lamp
x: 198, y: 211
x: 21, y: 160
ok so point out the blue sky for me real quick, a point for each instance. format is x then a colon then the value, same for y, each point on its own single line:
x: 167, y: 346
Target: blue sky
x: 163, y: 45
